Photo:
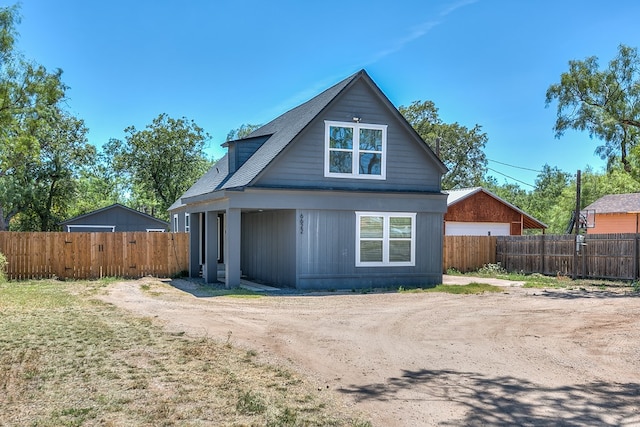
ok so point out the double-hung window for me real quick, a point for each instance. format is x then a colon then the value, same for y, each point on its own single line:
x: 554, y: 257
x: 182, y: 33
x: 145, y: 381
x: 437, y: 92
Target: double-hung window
x: 385, y: 239
x: 187, y: 223
x: 355, y: 150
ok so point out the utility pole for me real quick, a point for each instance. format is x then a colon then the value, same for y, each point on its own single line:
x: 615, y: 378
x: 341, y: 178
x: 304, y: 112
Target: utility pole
x: 576, y: 224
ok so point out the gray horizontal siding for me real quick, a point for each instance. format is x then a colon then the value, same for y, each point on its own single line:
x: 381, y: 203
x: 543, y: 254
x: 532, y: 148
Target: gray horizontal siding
x: 326, y: 254
x: 268, y: 247
x: 240, y: 151
x: 409, y: 167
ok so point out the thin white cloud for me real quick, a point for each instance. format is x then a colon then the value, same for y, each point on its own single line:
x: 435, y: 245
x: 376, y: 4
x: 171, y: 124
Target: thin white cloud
x: 416, y: 32
x: 455, y: 6
x: 420, y: 30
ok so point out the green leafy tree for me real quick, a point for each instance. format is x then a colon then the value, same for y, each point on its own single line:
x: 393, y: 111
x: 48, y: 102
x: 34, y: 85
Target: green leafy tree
x: 242, y: 132
x: 604, y: 102
x: 508, y: 191
x: 50, y: 180
x: 549, y: 185
x: 460, y: 148
x: 160, y: 162
x: 97, y: 187
x: 28, y: 94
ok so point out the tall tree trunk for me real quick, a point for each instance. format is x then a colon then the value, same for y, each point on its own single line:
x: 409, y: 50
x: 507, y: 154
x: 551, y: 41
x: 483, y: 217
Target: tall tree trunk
x: 3, y: 225
x: 45, y: 218
x: 623, y: 152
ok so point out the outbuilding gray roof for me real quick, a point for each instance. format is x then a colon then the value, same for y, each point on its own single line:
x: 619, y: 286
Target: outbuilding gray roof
x: 114, y: 207
x: 616, y: 203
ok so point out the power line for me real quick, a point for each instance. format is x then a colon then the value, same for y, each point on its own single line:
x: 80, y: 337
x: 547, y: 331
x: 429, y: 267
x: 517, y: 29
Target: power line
x: 517, y: 167
x: 510, y: 177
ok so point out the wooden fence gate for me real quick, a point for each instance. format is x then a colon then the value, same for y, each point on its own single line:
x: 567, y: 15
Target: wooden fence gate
x: 94, y: 255
x: 468, y: 253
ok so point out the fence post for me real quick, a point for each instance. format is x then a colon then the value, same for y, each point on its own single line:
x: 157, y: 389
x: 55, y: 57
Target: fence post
x: 542, y: 255
x: 635, y: 257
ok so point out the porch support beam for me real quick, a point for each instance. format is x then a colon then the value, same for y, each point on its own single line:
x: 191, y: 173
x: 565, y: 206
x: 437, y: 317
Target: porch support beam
x: 232, y: 248
x: 211, y: 247
x: 194, y: 245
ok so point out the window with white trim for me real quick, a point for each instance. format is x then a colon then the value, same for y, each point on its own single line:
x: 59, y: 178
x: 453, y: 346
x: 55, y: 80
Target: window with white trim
x: 385, y: 239
x: 355, y: 150
x: 187, y: 223
x: 175, y: 223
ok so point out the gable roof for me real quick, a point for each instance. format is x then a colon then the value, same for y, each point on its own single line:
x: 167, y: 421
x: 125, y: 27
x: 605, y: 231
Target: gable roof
x: 616, y: 203
x: 111, y: 207
x: 455, y: 196
x: 280, y: 132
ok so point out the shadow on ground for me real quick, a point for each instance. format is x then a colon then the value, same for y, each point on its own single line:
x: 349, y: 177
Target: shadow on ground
x: 591, y: 294
x: 503, y: 401
x: 198, y: 288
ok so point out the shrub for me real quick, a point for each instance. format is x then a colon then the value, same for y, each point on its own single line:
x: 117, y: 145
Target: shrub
x: 492, y: 269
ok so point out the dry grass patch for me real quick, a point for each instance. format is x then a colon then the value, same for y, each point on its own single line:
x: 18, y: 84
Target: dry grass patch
x: 70, y: 360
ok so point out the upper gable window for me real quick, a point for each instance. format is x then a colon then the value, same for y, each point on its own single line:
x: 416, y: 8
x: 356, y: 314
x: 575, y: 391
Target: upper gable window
x: 355, y: 150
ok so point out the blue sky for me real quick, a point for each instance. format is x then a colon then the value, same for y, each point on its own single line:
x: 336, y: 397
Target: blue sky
x: 227, y: 63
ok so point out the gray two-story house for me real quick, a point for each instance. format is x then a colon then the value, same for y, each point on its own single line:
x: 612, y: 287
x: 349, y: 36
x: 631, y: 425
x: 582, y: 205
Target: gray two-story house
x: 339, y: 192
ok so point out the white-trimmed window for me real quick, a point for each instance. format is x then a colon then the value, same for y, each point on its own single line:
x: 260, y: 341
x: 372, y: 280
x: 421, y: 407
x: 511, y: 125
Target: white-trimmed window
x: 175, y: 223
x: 187, y: 223
x: 385, y: 239
x: 355, y: 150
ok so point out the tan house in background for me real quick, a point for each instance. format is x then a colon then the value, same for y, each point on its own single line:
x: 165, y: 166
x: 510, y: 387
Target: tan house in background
x: 615, y: 213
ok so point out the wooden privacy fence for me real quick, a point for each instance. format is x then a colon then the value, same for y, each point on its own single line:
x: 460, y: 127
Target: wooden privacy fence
x: 468, y: 253
x: 603, y: 256
x: 94, y: 255
x: 137, y: 254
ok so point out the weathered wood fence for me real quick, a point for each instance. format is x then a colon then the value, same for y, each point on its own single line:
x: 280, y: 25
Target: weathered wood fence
x: 468, y: 253
x: 603, y: 256
x: 94, y: 255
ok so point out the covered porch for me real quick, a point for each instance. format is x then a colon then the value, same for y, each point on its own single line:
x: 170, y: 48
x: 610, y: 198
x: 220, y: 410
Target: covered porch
x: 227, y: 244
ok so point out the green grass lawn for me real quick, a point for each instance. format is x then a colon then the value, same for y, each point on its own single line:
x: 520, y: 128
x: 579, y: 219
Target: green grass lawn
x: 68, y: 359
x: 537, y: 280
x: 471, y: 288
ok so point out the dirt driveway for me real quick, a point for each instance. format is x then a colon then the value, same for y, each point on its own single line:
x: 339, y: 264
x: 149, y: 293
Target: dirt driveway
x: 521, y: 357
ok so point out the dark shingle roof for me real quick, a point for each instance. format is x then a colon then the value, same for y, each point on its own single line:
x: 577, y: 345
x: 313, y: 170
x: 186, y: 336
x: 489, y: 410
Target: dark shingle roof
x: 616, y: 203
x: 207, y: 183
x: 283, y: 130
x: 280, y: 132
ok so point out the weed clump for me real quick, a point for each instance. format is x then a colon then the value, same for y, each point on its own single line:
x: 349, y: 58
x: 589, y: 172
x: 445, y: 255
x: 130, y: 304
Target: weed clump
x: 3, y: 268
x: 492, y: 269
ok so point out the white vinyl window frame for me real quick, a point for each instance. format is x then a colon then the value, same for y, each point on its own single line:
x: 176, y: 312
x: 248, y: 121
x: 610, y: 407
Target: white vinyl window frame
x: 175, y: 223
x: 386, y: 238
x: 355, y: 150
x: 187, y: 223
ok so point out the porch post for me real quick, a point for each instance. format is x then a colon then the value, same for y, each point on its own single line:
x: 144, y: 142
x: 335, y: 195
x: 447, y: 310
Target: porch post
x: 211, y: 245
x: 232, y: 248
x: 194, y: 245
